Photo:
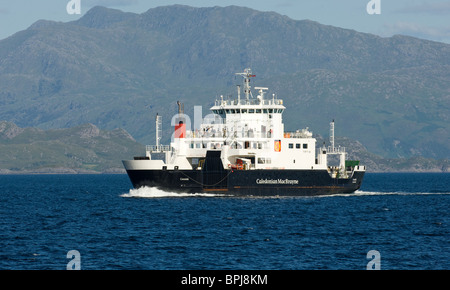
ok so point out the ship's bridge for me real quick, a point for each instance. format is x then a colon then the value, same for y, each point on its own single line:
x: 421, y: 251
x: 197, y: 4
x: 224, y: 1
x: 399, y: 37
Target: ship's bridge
x: 251, y: 116
x: 258, y: 105
x: 252, y: 106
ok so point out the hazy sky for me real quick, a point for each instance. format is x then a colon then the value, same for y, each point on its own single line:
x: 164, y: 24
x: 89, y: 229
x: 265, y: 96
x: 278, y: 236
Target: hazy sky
x: 424, y: 19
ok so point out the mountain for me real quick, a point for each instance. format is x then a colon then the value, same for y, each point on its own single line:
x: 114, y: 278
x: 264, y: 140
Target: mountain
x: 117, y: 70
x: 81, y: 149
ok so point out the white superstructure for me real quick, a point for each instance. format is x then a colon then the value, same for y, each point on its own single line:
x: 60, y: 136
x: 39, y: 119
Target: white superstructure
x: 249, y: 132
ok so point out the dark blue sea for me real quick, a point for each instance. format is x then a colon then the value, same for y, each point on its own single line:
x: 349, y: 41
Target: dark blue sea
x: 405, y: 218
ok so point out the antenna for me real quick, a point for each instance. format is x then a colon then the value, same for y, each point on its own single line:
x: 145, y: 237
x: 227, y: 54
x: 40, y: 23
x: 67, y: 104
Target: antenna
x: 239, y: 93
x: 261, y: 92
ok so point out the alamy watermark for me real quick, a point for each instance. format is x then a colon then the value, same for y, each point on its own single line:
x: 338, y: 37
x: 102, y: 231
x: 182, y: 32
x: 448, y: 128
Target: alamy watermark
x: 375, y: 262
x: 75, y: 263
x: 73, y: 7
x: 373, y: 7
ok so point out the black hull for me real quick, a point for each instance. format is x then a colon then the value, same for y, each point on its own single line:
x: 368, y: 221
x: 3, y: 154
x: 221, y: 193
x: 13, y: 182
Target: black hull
x: 248, y: 182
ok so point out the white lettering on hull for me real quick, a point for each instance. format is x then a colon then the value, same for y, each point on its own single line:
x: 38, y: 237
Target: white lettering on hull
x: 277, y: 181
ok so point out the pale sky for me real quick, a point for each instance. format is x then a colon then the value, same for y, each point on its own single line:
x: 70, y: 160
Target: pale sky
x: 419, y: 18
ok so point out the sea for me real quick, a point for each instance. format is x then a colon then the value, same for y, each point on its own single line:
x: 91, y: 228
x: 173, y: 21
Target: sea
x: 396, y: 221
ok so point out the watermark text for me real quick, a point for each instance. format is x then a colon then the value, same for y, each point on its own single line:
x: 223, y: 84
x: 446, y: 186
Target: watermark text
x: 375, y: 263
x: 73, y: 7
x: 75, y: 263
x: 373, y: 7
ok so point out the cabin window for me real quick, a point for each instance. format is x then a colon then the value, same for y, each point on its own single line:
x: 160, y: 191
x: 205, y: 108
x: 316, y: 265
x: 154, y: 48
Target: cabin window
x: 298, y: 146
x: 264, y: 160
x: 251, y: 111
x: 233, y: 111
x: 258, y: 111
x: 228, y: 111
x: 238, y: 111
x: 265, y: 111
x: 270, y: 111
x: 244, y: 111
x: 305, y: 146
x: 291, y: 145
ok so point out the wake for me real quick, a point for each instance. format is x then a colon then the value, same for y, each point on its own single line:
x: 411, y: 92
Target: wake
x: 373, y: 193
x: 153, y: 192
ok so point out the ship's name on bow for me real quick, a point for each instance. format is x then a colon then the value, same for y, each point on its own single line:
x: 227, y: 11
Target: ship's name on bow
x: 276, y: 181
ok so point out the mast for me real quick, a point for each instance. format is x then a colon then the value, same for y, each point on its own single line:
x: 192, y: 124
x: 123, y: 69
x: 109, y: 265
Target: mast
x: 158, y: 130
x: 239, y: 93
x: 247, y: 74
x: 332, y: 135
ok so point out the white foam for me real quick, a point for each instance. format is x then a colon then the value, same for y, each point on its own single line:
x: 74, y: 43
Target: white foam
x: 366, y: 193
x: 153, y: 192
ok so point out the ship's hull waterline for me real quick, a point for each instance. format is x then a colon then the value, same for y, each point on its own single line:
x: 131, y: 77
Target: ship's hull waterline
x: 248, y: 183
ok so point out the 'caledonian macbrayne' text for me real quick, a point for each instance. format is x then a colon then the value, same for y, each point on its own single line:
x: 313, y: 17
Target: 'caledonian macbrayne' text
x: 276, y: 181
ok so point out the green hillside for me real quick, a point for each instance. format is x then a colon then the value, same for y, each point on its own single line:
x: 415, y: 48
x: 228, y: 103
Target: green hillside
x: 82, y: 149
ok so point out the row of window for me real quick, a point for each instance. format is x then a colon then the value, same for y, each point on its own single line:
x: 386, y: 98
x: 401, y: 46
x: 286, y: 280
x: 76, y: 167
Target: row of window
x: 298, y: 146
x: 233, y: 145
x: 248, y: 111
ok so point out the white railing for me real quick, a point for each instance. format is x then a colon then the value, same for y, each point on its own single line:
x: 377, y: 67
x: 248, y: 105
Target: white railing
x: 157, y: 148
x: 228, y: 134
x: 335, y: 150
x: 248, y: 102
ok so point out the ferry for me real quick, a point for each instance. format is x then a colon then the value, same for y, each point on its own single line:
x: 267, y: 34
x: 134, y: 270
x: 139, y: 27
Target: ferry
x: 242, y: 149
